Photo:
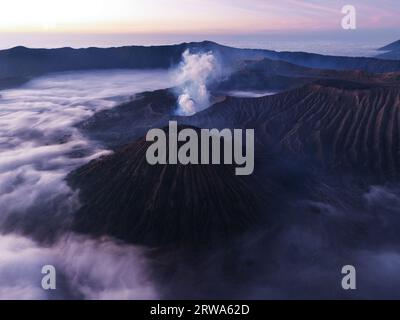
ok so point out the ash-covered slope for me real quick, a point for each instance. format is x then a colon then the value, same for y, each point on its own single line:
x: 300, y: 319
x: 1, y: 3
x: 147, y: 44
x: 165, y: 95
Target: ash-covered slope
x: 125, y: 197
x: 345, y: 126
x: 131, y: 121
x: 277, y: 75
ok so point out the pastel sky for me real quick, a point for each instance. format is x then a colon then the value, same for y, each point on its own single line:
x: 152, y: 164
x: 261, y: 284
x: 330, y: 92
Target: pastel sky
x: 206, y: 16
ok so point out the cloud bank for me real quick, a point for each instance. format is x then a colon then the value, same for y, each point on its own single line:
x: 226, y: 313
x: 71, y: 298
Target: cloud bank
x: 39, y: 146
x: 86, y: 269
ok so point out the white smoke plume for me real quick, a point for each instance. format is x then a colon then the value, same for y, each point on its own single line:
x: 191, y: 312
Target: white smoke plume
x: 194, y: 74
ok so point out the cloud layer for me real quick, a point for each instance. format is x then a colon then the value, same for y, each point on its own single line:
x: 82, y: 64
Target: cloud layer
x: 86, y: 269
x: 39, y: 145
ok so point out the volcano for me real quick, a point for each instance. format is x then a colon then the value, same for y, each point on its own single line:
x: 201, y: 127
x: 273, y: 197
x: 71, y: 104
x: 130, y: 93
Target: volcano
x: 125, y: 197
x: 324, y: 127
x: 341, y: 128
x: 343, y: 125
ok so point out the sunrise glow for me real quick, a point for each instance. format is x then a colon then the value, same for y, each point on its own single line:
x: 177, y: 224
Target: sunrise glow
x: 162, y: 16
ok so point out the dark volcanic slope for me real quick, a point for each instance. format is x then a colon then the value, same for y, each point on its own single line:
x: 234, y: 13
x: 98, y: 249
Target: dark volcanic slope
x: 391, y: 55
x: 312, y: 60
x: 392, y: 46
x: 10, y: 82
x: 125, y: 197
x: 130, y: 121
x: 277, y: 75
x: 349, y: 126
x: 392, y: 51
x: 25, y: 62
x: 344, y: 125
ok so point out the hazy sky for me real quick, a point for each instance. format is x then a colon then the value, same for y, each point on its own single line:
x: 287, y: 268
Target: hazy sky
x: 210, y: 16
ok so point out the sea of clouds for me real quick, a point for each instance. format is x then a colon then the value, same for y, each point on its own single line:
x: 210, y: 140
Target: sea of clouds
x: 39, y: 146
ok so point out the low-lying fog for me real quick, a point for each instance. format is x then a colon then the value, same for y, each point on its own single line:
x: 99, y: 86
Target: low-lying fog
x: 39, y: 145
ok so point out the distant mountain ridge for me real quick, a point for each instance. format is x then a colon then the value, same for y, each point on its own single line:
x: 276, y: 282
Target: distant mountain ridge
x: 278, y: 75
x: 19, y: 64
x: 392, y: 46
x: 392, y: 51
